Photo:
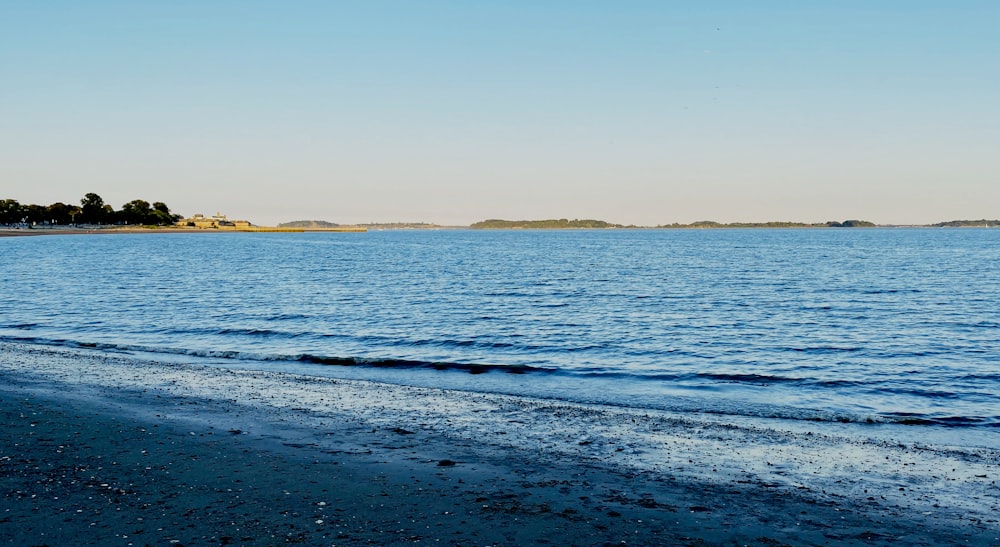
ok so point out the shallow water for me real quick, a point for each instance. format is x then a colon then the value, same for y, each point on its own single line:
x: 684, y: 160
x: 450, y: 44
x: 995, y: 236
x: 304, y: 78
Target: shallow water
x: 836, y: 325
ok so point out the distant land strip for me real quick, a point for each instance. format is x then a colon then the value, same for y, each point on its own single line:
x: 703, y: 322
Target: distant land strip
x: 968, y: 224
x: 319, y: 226
x: 773, y: 224
x: 499, y: 224
x: 137, y: 216
x: 308, y: 224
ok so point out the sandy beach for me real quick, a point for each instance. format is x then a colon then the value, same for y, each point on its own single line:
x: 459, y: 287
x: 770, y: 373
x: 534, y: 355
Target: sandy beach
x: 108, y: 449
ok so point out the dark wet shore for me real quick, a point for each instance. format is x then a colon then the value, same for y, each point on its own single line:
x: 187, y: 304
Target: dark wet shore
x: 121, y: 466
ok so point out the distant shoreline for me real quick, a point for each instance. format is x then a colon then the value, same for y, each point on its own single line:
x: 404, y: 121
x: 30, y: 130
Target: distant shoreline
x: 77, y: 230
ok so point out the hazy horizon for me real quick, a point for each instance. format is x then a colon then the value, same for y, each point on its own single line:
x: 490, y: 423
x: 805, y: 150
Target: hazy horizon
x: 452, y: 112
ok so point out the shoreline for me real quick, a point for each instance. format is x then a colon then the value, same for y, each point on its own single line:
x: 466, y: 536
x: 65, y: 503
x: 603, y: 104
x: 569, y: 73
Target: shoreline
x: 17, y: 232
x: 107, y: 231
x: 200, y: 453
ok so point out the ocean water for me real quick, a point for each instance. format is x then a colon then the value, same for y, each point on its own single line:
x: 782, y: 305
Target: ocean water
x: 874, y: 327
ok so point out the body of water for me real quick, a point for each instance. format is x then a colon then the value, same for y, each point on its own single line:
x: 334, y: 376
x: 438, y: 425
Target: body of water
x: 864, y: 326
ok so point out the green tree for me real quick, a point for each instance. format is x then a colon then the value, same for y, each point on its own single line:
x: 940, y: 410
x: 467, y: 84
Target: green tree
x: 34, y: 214
x: 59, y: 213
x: 74, y: 213
x: 161, y: 214
x: 136, y: 211
x: 93, y: 209
x: 10, y: 211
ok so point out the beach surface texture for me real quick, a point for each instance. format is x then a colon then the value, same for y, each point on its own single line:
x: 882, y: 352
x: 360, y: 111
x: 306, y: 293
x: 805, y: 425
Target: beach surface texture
x: 100, y: 448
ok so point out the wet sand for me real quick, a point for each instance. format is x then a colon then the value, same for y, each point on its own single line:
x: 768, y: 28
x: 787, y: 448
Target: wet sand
x: 109, y: 450
x: 17, y: 233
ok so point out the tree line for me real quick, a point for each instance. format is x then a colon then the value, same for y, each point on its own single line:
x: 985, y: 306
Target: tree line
x: 92, y: 210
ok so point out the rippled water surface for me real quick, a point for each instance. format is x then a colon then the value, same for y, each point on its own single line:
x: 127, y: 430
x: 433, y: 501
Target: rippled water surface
x: 855, y: 325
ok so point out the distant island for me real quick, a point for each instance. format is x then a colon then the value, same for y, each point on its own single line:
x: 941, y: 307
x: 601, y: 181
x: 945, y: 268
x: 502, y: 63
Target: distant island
x: 324, y: 225
x: 402, y: 226
x: 497, y: 224
x: 307, y: 224
x: 968, y: 224
x: 553, y: 224
x: 319, y: 226
x: 774, y: 224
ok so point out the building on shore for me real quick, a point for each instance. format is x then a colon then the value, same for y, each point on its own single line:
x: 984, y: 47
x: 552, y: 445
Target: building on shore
x: 217, y: 221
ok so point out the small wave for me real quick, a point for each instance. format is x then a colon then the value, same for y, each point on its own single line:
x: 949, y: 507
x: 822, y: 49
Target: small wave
x: 35, y: 340
x: 904, y: 419
x: 891, y: 291
x: 236, y: 332
x: 457, y: 343
x: 259, y: 333
x: 446, y: 343
x: 930, y: 394
x: 471, y: 368
x: 753, y: 379
x: 825, y: 350
x: 604, y: 374
x: 20, y: 326
x: 684, y: 380
x: 63, y: 343
x: 980, y: 377
x: 287, y: 317
x: 907, y: 418
x: 712, y: 378
x: 765, y: 379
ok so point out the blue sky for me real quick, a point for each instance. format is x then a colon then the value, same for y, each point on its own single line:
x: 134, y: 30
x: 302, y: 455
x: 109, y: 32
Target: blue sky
x: 642, y: 112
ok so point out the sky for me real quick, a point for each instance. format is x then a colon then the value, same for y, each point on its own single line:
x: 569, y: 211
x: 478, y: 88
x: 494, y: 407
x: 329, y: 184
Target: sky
x: 454, y: 111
